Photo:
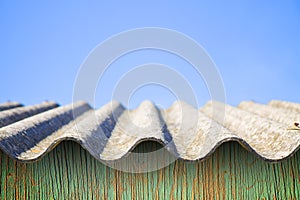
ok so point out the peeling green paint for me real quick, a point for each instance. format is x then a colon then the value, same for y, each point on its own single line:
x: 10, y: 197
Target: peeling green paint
x: 69, y: 172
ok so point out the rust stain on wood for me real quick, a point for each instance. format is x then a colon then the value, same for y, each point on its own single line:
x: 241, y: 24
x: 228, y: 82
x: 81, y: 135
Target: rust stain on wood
x: 230, y: 173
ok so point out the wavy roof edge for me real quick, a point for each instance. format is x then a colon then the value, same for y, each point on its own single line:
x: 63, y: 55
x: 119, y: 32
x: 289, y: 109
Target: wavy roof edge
x: 271, y: 131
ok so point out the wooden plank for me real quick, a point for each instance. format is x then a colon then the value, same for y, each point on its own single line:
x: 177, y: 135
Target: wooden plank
x: 69, y: 172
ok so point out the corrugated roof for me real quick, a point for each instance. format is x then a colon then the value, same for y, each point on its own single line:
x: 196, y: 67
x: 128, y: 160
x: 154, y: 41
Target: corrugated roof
x: 271, y: 131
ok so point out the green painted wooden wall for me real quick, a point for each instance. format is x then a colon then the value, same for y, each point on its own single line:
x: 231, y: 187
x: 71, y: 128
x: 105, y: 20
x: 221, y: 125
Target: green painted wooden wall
x: 69, y: 172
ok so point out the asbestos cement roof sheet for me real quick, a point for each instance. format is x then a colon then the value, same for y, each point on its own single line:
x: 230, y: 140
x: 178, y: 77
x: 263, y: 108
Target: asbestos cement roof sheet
x: 271, y: 131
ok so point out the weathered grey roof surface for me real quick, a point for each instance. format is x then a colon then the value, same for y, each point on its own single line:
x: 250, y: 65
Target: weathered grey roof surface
x: 271, y: 131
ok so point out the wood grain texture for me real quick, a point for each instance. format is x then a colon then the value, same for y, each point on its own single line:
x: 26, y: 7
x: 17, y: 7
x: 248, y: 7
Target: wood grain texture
x: 69, y: 172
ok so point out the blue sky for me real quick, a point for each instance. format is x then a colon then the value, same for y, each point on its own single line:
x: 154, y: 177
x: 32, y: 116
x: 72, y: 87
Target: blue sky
x: 255, y: 45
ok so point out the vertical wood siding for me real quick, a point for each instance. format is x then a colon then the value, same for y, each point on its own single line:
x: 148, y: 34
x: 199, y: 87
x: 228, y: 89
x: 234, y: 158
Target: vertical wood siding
x: 69, y: 172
